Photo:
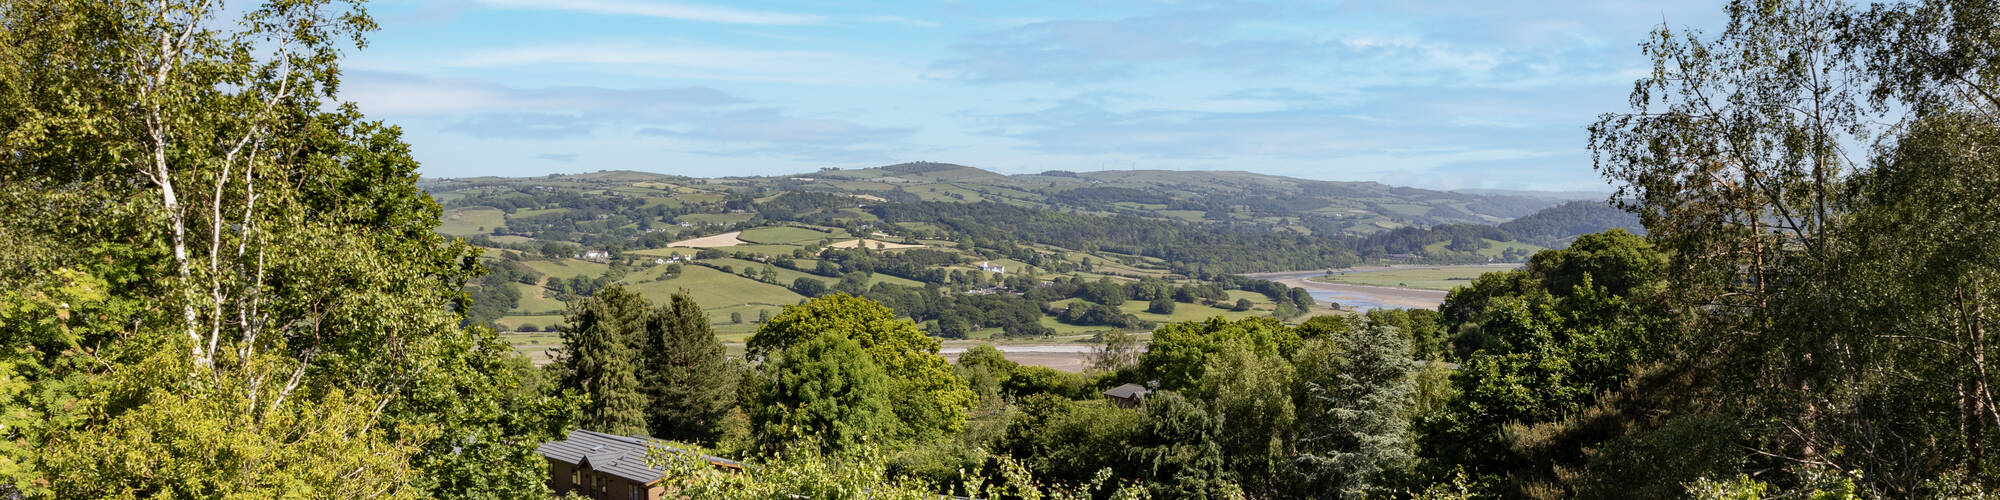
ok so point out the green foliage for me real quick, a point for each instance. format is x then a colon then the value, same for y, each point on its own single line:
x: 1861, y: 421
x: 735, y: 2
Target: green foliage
x: 1066, y: 441
x: 823, y: 393
x: 602, y: 341
x: 928, y: 399
x: 1179, y: 449
x: 273, y: 311
x: 1178, y: 355
x: 1354, y: 405
x: 1250, y: 396
x: 864, y: 475
x: 1839, y: 292
x: 689, y: 382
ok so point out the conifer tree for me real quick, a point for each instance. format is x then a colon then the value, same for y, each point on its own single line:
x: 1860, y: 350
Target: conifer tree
x: 688, y: 380
x: 600, y: 349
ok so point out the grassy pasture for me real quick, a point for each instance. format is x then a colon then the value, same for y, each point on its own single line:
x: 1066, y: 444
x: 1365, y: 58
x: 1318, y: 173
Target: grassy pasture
x: 716, y: 290
x: 471, y: 221
x: 534, y: 300
x: 1427, y: 278
x: 566, y: 268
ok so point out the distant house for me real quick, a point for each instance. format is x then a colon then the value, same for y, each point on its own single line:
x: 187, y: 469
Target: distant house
x: 983, y: 266
x: 1128, y: 395
x: 594, y: 255
x: 610, y: 466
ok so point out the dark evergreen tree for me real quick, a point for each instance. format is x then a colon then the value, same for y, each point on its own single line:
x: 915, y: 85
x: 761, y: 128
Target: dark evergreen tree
x: 688, y: 381
x: 1355, y: 389
x: 600, y: 350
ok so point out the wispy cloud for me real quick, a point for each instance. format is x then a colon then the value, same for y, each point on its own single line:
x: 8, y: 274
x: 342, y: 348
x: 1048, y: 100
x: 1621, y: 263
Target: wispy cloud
x: 403, y: 94
x: 685, y: 12
x: 771, y: 125
x: 803, y: 66
x: 543, y: 126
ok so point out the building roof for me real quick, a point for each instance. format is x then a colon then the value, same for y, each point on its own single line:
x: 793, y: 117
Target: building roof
x: 622, y: 456
x: 1128, y: 391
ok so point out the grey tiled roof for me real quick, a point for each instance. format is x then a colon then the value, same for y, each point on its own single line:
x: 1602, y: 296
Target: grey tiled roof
x: 622, y: 456
x: 1127, y: 391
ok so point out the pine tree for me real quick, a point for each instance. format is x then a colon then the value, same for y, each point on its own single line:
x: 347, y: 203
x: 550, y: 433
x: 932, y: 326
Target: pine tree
x: 687, y: 376
x: 600, y: 348
x: 1355, y: 389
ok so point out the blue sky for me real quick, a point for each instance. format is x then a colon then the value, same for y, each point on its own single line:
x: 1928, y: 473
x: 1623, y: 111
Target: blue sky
x: 1435, y: 94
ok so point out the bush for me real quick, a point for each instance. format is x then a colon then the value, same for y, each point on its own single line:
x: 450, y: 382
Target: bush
x: 527, y: 327
x: 1162, y: 305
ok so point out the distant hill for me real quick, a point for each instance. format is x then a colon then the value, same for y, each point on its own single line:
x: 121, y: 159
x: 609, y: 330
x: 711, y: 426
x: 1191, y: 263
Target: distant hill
x: 965, y: 251
x: 1557, y: 225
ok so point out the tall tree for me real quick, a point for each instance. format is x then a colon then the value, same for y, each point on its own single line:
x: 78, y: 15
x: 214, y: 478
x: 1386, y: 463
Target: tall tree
x: 601, y: 341
x: 688, y: 380
x: 929, y: 399
x: 824, y: 393
x: 261, y: 304
x: 1354, y: 395
x: 1839, y: 293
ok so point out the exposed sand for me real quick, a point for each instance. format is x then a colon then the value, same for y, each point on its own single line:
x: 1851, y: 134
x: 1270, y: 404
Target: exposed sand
x: 871, y: 244
x: 1065, y: 357
x: 721, y: 240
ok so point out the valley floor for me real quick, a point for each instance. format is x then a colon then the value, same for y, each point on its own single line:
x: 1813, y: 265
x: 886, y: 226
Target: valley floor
x: 1353, y: 295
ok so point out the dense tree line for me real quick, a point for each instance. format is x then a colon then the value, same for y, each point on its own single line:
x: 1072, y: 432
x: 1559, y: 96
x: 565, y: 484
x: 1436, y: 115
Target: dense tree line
x: 657, y: 371
x: 1187, y: 247
x: 1552, y: 227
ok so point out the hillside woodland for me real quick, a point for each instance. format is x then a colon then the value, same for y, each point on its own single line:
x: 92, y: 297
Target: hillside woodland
x: 221, y: 283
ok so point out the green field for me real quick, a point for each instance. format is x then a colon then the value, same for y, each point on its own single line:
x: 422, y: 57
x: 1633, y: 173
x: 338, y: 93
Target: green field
x: 1428, y: 278
x: 782, y: 235
x: 1188, y: 312
x: 471, y: 221
x: 761, y: 249
x: 716, y: 290
x: 566, y: 268
x: 533, y: 300
x: 1494, y: 248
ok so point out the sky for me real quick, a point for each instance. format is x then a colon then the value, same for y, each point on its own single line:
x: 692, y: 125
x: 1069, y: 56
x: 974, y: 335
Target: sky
x: 1426, y: 93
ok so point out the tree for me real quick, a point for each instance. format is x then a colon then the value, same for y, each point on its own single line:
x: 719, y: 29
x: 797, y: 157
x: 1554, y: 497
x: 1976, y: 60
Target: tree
x: 927, y: 398
x: 1119, y: 350
x: 808, y: 286
x: 1355, y: 391
x: 689, y: 383
x: 602, y: 340
x: 1178, y: 444
x: 1250, y: 394
x: 736, y: 317
x: 1243, y: 305
x: 253, y: 300
x: 823, y: 393
x: 1179, y: 354
x: 1809, y: 274
x: 1162, y: 305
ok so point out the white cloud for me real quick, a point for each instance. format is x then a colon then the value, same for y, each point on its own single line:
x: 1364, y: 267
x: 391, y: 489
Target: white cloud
x: 686, y: 12
x: 402, y: 94
x: 798, y: 66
